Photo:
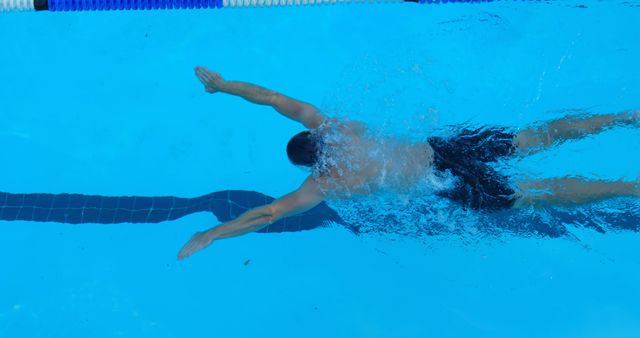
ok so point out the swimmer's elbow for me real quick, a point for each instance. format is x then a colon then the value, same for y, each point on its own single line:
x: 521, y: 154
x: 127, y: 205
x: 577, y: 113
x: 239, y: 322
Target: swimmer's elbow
x: 273, y: 213
x: 275, y: 99
x: 281, y: 209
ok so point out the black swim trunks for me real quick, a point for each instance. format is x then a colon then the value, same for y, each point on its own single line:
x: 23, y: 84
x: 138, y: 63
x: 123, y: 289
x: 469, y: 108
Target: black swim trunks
x: 466, y: 155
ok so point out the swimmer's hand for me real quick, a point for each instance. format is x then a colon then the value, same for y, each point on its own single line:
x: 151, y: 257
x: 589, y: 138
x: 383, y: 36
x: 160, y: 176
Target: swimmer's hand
x: 212, y: 81
x: 198, y: 242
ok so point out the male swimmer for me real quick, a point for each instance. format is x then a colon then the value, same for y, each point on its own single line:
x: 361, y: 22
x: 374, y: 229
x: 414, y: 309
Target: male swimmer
x: 346, y: 161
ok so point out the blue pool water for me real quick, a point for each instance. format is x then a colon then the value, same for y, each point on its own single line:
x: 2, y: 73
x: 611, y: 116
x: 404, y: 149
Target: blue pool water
x: 107, y: 104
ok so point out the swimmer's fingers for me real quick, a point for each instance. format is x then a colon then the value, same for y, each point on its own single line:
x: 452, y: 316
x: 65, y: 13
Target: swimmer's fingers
x: 205, y: 78
x: 211, y: 80
x: 204, y: 74
x: 198, y: 242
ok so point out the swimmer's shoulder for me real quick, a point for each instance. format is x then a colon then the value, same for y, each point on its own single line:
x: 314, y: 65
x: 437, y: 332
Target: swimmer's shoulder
x: 343, y: 125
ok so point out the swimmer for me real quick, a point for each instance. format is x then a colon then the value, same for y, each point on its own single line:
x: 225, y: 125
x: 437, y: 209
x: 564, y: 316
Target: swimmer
x: 366, y: 166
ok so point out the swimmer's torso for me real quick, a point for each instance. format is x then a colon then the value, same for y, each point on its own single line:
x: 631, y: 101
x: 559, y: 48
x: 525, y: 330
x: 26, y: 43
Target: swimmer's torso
x: 356, y: 161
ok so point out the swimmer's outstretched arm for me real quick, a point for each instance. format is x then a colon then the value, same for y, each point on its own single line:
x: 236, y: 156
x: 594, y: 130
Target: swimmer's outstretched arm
x: 299, y: 111
x: 304, y: 198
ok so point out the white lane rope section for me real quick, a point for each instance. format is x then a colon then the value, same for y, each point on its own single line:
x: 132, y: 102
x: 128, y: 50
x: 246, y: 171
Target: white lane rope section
x: 16, y: 5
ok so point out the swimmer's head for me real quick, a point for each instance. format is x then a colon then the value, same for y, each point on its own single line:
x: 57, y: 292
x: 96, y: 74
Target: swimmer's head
x: 302, y: 149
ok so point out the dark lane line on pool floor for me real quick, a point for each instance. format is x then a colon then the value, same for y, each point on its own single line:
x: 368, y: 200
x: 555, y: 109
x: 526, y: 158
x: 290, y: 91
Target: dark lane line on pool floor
x: 82, y: 209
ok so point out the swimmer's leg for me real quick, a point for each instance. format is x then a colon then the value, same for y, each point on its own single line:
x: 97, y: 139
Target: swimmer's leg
x: 572, y: 191
x: 544, y: 136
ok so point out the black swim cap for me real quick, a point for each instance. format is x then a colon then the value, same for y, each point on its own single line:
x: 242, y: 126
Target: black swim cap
x: 302, y: 149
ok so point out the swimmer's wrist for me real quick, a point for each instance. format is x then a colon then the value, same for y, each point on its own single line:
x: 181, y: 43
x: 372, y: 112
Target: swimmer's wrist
x: 221, y: 85
x: 214, y: 233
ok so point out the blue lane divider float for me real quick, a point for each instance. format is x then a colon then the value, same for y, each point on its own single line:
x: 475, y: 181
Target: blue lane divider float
x: 114, y: 5
x: 84, y: 209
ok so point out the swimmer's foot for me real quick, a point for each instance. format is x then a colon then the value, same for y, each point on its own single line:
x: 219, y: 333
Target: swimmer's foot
x: 635, y: 116
x: 198, y: 242
x: 212, y: 81
x: 632, y: 117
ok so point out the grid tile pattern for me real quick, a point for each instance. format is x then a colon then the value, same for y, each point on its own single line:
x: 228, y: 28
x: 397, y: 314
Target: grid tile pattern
x: 81, y: 209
